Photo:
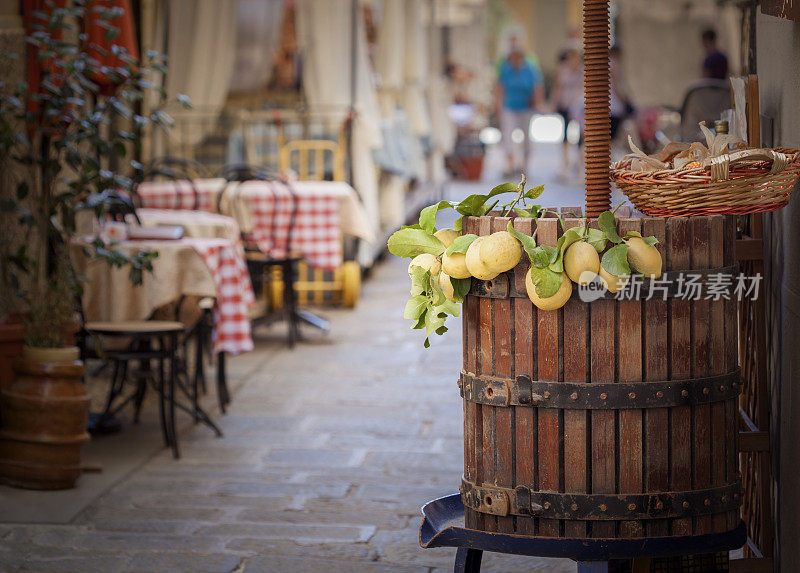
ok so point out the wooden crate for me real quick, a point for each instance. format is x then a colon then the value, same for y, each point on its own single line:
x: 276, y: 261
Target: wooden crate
x: 612, y: 419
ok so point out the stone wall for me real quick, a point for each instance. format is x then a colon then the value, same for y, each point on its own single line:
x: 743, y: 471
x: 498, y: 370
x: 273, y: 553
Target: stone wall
x: 778, y: 51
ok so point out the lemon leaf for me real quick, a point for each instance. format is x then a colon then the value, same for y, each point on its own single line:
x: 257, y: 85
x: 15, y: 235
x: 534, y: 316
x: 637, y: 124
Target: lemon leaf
x: 598, y: 239
x: 421, y: 277
x: 441, y: 330
x: 472, y: 205
x: 420, y: 323
x: 503, y: 188
x: 534, y: 192
x: 524, y: 213
x: 461, y: 244
x: 461, y: 287
x: 427, y: 217
x: 528, y: 242
x: 413, y: 242
x: 546, y: 280
x: 651, y: 240
x: 448, y: 307
x: 615, y: 261
x: 609, y: 226
x: 433, y: 321
x: 415, y: 307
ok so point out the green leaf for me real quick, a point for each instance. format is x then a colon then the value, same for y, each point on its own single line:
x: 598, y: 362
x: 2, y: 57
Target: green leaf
x: 457, y: 225
x: 487, y: 209
x: 413, y: 242
x: 597, y: 239
x: 472, y: 205
x: 427, y: 343
x: 461, y: 287
x: 503, y: 188
x: 528, y: 242
x: 608, y: 224
x: 524, y: 213
x: 546, y: 280
x: 534, y: 192
x: 421, y: 277
x: 539, y: 257
x: 571, y: 235
x: 433, y: 322
x: 448, y: 307
x: 615, y: 261
x: 630, y: 234
x: 441, y: 330
x: 415, y: 307
x: 461, y: 244
x: 420, y: 321
x: 651, y: 240
x: 427, y: 218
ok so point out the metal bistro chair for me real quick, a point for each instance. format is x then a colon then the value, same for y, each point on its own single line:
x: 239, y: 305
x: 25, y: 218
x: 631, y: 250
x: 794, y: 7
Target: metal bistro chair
x: 143, y: 341
x: 259, y: 263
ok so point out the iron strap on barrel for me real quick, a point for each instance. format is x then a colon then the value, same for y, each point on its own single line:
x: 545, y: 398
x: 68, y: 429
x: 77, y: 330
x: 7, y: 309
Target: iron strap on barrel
x: 501, y: 287
x: 523, y: 391
x: 524, y: 501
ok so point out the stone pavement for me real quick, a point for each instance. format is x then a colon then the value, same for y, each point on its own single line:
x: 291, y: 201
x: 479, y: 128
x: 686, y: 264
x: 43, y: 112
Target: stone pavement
x: 329, y: 452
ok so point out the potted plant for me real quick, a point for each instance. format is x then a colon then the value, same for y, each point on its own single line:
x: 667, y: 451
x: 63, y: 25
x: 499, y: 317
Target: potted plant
x: 66, y: 147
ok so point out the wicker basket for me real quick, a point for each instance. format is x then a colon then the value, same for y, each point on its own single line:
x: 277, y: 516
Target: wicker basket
x: 747, y: 181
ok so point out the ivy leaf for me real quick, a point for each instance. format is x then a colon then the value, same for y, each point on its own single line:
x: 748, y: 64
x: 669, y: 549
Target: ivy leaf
x: 413, y: 242
x: 534, y: 192
x: 608, y: 224
x: 461, y: 287
x: 461, y: 244
x: 597, y: 239
x: 427, y: 218
x: 546, y: 280
x: 415, y: 307
x: 615, y: 261
x: 503, y: 188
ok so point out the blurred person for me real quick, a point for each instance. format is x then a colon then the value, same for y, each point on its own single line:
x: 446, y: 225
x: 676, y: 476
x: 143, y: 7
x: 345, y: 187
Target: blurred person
x: 715, y: 64
x: 519, y: 90
x: 619, y: 102
x: 567, y: 95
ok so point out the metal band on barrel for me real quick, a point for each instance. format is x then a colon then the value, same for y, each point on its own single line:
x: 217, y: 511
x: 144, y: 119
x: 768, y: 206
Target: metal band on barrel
x: 524, y: 501
x: 523, y: 391
x: 503, y: 287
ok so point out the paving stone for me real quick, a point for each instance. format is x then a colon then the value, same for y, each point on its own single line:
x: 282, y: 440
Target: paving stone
x: 190, y: 562
x: 324, y: 458
x: 72, y: 561
x: 278, y: 489
x: 107, y: 541
x: 305, y: 533
x: 337, y: 551
x: 287, y: 564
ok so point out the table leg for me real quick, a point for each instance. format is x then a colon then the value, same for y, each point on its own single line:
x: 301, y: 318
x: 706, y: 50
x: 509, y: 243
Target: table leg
x: 468, y: 560
x: 162, y: 393
x: 173, y: 378
x: 222, y: 383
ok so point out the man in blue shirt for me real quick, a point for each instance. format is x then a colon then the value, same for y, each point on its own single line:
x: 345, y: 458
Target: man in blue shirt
x: 519, y: 90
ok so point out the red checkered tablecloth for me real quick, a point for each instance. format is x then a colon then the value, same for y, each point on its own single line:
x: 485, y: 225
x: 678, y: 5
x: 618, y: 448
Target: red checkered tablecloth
x: 223, y: 258
x: 263, y: 210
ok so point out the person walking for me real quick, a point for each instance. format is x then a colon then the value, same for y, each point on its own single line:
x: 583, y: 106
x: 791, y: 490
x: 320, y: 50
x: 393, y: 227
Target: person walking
x: 519, y: 90
x: 715, y: 64
x: 567, y: 94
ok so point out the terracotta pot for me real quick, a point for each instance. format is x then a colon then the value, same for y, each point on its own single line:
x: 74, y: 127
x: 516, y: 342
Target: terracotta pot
x: 44, y: 411
x: 12, y: 339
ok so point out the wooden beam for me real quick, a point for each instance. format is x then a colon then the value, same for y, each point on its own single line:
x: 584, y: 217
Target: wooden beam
x: 753, y: 442
x: 749, y: 249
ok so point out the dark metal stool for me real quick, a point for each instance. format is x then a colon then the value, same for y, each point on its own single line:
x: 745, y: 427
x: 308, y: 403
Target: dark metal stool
x: 440, y: 528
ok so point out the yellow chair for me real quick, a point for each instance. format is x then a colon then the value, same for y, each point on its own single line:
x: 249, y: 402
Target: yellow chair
x: 308, y: 158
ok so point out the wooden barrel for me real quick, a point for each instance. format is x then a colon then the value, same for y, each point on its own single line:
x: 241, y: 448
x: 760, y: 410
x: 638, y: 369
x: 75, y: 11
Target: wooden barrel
x: 44, y: 412
x: 613, y: 418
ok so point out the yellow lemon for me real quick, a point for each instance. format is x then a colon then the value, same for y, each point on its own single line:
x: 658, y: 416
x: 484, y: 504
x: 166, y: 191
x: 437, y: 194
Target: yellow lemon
x: 426, y: 261
x: 558, y: 300
x: 500, y: 252
x: 455, y: 265
x: 474, y: 264
x: 446, y: 236
x: 612, y: 283
x: 644, y: 258
x: 579, y: 258
x: 447, y: 286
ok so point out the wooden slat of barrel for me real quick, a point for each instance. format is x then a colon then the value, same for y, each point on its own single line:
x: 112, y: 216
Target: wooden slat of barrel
x: 503, y: 367
x: 629, y: 334
x: 603, y: 422
x: 486, y: 463
x: 717, y: 339
x: 731, y: 363
x: 656, y: 420
x: 549, y: 432
x: 525, y: 451
x: 575, y: 370
x: 472, y: 423
x: 678, y: 243
x: 701, y: 474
